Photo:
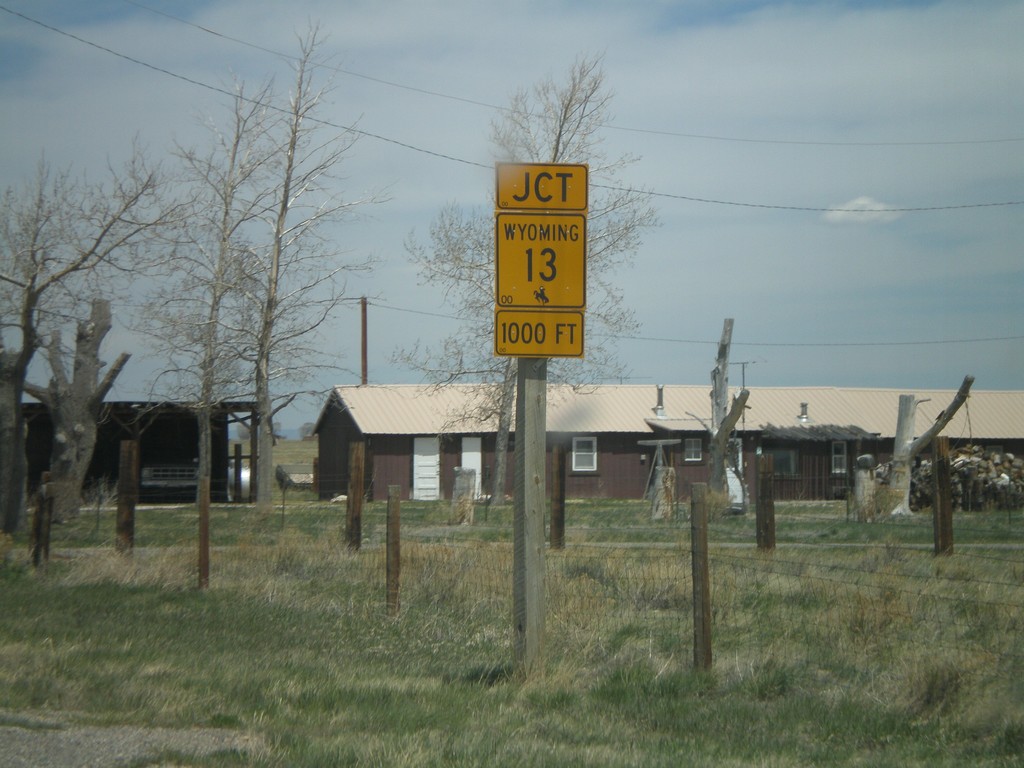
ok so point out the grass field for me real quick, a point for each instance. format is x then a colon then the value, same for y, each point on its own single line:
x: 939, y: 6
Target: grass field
x: 850, y: 645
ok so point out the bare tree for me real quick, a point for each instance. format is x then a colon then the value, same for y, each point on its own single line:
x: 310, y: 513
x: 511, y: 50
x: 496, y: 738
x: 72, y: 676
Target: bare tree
x: 75, y: 403
x: 55, y: 233
x: 553, y: 123
x: 906, y: 447
x: 724, y: 416
x: 196, y: 317
x: 294, y: 278
x: 723, y: 421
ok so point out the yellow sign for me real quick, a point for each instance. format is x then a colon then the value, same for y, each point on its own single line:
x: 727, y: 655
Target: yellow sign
x: 539, y: 186
x: 540, y: 260
x: 545, y: 333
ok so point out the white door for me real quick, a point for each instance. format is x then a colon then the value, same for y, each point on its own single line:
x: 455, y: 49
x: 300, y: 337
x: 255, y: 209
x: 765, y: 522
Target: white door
x: 472, y: 458
x: 734, y: 474
x: 426, y: 469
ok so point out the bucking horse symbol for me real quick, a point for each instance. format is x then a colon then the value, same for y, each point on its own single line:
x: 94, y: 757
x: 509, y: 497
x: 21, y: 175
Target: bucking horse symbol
x: 540, y: 296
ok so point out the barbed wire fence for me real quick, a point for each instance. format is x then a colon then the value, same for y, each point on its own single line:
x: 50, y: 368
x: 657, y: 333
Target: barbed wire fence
x: 874, y: 603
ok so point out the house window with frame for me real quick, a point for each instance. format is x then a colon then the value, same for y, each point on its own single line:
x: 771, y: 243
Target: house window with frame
x: 839, y: 458
x: 784, y: 462
x: 693, y: 449
x: 584, y: 454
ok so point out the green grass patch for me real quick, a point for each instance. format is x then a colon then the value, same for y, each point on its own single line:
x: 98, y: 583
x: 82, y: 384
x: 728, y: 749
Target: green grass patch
x: 851, y: 647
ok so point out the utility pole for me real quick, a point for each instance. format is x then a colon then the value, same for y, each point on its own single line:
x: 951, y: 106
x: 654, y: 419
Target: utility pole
x: 364, y: 368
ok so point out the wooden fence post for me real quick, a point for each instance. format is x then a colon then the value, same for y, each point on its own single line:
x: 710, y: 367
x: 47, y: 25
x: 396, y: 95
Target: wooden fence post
x: 942, y: 507
x: 354, y: 506
x: 558, y: 496
x: 394, y: 548
x: 204, y: 532
x: 765, y: 515
x: 127, y: 494
x: 42, y: 522
x: 701, y: 577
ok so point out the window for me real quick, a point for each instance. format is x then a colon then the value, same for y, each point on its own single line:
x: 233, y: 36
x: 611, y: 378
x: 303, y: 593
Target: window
x: 783, y: 462
x: 838, y: 458
x: 693, y: 449
x: 584, y: 454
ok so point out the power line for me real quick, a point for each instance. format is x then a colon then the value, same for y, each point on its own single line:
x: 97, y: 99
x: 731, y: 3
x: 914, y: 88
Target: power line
x: 812, y: 344
x: 225, y: 92
x: 453, y: 158
x: 809, y: 209
x: 609, y: 126
x: 333, y: 68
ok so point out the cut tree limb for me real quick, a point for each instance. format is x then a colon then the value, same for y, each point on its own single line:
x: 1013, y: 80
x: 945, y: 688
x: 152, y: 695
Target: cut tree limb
x: 906, y: 448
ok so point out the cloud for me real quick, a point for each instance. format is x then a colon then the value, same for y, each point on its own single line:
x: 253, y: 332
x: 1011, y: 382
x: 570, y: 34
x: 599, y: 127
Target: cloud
x: 861, y: 210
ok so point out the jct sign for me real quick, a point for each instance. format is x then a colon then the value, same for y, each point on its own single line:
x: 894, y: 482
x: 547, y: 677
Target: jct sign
x: 540, y: 247
x: 539, y: 186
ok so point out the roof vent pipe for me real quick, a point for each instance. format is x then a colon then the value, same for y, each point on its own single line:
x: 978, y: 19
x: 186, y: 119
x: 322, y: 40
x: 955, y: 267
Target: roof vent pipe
x: 803, y: 417
x: 659, y: 409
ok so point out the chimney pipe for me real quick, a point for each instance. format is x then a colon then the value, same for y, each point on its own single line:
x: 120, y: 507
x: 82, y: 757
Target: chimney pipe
x: 659, y: 409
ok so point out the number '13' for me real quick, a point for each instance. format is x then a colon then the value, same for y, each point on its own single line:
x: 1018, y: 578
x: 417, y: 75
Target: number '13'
x: 547, y: 274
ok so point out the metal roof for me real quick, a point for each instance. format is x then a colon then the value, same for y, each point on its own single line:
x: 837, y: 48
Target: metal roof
x: 426, y: 410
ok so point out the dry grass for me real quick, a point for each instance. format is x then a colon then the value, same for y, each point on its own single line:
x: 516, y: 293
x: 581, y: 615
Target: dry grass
x: 849, y: 655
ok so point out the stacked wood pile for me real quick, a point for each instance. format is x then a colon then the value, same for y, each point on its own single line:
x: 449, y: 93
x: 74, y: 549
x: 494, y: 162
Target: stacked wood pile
x: 980, y: 479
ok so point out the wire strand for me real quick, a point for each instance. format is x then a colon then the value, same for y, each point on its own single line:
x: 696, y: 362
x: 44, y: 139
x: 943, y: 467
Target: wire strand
x: 473, y: 163
x: 608, y: 126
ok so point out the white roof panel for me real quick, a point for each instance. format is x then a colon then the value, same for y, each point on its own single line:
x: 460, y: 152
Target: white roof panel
x: 461, y: 408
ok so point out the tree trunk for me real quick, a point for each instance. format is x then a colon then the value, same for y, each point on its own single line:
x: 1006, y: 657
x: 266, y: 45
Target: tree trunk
x: 722, y: 423
x: 720, y: 378
x: 506, y: 408
x: 264, y: 447
x: 74, y: 404
x: 13, y: 463
x: 905, y: 448
x: 719, y: 444
x: 899, y: 472
x: 13, y: 466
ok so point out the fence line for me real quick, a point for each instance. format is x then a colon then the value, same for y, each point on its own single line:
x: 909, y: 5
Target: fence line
x: 604, y: 598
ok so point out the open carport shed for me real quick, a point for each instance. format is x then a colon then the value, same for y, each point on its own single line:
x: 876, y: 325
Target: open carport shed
x: 168, y: 438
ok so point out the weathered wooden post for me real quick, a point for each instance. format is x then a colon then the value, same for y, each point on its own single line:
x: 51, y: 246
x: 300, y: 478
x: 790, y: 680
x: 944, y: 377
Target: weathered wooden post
x: 394, y: 548
x: 864, y: 488
x: 701, y: 577
x: 204, y: 532
x: 354, y: 505
x: 528, y: 511
x: 558, y: 496
x: 765, y: 515
x: 942, y: 508
x: 463, y: 497
x: 42, y: 523
x: 127, y: 494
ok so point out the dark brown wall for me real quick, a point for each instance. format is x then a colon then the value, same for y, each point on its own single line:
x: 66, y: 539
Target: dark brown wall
x: 335, y: 431
x: 167, y: 435
x: 621, y: 472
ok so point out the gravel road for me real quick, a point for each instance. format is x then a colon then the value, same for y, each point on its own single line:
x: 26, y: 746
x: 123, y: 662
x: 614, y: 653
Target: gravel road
x: 31, y: 742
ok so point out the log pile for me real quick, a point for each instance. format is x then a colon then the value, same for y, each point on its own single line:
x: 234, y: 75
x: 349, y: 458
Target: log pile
x: 981, y: 479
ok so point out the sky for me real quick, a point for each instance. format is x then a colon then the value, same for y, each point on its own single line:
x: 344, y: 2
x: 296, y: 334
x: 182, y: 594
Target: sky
x: 845, y: 180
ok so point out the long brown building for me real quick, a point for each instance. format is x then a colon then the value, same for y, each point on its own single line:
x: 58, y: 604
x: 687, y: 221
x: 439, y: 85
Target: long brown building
x: 416, y: 436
